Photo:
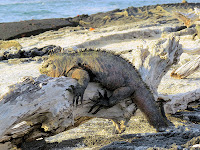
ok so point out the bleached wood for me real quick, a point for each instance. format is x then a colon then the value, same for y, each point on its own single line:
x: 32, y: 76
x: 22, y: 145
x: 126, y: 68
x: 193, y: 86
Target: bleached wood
x: 180, y: 101
x: 186, y: 69
x: 43, y: 105
x: 155, y: 60
x: 194, y: 51
x: 188, y: 18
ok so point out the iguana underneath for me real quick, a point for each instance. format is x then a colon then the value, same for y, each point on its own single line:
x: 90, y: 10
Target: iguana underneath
x: 114, y: 73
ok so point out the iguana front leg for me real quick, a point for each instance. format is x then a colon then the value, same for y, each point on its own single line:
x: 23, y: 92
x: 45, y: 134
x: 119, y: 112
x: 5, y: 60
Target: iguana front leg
x: 118, y: 95
x: 83, y: 79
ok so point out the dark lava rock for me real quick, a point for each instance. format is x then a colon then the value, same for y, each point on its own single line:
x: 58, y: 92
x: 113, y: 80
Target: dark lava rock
x: 192, y: 114
x: 10, y: 53
x: 176, y: 140
x: 13, y: 53
x: 133, y: 14
x: 27, y: 28
x: 50, y: 49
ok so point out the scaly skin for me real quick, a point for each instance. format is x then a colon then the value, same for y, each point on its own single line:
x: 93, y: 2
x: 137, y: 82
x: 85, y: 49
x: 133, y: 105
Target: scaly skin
x: 114, y: 73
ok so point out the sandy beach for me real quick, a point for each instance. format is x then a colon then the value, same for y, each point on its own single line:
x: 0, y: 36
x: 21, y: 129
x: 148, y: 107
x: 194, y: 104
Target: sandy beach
x: 119, y: 31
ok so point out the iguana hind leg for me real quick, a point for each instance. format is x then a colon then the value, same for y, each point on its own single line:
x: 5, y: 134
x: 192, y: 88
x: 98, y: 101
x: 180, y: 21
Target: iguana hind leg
x: 83, y: 79
x: 118, y: 95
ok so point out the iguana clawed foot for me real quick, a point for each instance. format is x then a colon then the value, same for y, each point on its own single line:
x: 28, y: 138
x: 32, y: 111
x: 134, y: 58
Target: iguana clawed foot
x: 102, y: 102
x: 78, y: 92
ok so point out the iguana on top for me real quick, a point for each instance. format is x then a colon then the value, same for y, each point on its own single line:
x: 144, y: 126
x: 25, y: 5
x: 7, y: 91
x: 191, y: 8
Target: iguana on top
x: 112, y: 72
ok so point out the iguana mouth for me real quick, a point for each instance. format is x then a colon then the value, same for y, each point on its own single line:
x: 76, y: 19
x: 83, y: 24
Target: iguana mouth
x: 50, y: 69
x: 43, y: 71
x: 46, y: 68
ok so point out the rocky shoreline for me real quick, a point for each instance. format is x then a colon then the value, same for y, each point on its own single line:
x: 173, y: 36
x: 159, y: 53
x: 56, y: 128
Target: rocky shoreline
x: 13, y: 30
x: 120, y: 31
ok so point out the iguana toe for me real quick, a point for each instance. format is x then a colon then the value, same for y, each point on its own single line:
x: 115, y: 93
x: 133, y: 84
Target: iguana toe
x: 102, y: 102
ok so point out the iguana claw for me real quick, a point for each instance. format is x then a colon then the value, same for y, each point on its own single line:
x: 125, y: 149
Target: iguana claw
x: 102, y: 102
x: 78, y: 92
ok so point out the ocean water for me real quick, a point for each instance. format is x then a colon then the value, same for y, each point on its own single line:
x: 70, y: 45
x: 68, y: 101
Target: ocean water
x: 18, y: 10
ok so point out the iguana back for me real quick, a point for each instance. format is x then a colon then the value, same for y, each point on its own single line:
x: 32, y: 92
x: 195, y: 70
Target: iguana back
x: 114, y: 73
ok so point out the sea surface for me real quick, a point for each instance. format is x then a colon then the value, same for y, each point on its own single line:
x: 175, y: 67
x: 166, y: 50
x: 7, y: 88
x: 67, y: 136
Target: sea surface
x: 19, y: 10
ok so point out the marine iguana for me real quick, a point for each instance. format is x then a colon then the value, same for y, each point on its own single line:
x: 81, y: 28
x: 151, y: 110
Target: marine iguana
x: 114, y: 73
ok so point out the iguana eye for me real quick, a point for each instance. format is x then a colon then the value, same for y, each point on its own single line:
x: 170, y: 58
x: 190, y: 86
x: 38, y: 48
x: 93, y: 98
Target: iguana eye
x: 46, y: 65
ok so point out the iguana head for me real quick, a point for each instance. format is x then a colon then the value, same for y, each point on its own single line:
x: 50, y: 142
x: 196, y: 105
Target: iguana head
x: 51, y: 67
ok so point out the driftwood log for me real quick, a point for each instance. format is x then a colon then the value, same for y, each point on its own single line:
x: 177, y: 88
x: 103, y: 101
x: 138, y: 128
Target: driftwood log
x: 186, y: 69
x: 180, y: 101
x: 189, y: 18
x: 194, y: 51
x: 42, y: 106
x: 154, y: 61
x: 190, y: 67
